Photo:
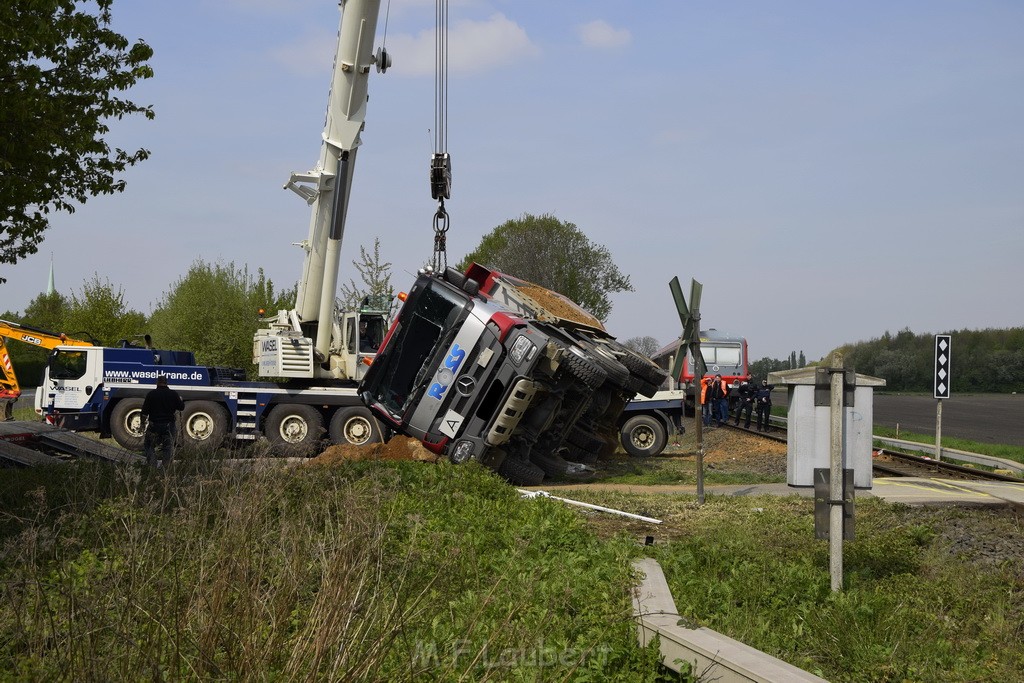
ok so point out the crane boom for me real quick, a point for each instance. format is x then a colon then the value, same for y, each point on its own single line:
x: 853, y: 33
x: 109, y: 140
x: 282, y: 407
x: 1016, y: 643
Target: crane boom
x: 326, y: 189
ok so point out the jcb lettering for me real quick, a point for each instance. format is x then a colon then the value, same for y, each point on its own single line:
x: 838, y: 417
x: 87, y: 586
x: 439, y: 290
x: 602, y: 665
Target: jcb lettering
x: 29, y: 339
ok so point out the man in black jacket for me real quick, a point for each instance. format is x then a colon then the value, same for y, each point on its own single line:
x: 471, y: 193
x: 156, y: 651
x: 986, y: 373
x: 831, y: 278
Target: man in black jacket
x: 746, y: 392
x: 158, y: 410
x: 763, y: 401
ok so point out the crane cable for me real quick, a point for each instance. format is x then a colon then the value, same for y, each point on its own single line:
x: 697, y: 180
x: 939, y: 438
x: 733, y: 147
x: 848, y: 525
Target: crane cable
x: 440, y: 163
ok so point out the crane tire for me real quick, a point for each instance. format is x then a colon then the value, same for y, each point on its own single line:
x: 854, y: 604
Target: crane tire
x: 126, y: 425
x: 204, y: 425
x: 294, y: 430
x: 354, y: 426
x: 642, y: 436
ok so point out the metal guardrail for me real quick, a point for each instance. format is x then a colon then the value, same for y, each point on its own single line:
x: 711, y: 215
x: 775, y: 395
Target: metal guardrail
x: 951, y: 453
x: 954, y: 454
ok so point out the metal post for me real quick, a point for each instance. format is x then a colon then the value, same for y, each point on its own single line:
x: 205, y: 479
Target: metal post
x: 835, y: 519
x: 699, y: 422
x: 938, y: 430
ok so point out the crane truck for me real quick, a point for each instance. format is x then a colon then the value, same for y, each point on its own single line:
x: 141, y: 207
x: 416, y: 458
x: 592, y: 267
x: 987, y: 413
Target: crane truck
x: 318, y: 353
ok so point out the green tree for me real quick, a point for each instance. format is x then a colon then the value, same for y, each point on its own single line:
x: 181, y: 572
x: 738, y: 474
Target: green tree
x: 554, y: 254
x: 645, y: 346
x: 99, y: 312
x: 46, y: 312
x: 60, y: 65
x: 213, y: 311
x: 376, y: 279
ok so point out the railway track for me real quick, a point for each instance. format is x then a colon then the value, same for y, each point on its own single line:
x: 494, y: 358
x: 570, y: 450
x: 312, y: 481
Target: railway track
x: 892, y: 463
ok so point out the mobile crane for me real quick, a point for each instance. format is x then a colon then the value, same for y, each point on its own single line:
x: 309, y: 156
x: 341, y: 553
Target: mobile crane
x: 320, y: 352
x: 10, y: 390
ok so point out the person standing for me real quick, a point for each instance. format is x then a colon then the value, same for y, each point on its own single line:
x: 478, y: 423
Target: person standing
x: 705, y: 400
x: 763, y: 401
x: 717, y: 395
x: 158, y: 410
x: 746, y: 403
x: 723, y: 400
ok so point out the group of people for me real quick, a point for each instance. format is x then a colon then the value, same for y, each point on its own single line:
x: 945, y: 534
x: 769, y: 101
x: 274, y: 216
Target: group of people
x: 714, y: 397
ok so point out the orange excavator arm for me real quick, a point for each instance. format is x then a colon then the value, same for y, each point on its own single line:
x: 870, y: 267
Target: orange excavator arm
x: 9, y: 388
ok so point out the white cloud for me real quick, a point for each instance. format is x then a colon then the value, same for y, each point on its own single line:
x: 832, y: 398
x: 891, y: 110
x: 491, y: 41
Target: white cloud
x: 601, y: 34
x: 473, y: 47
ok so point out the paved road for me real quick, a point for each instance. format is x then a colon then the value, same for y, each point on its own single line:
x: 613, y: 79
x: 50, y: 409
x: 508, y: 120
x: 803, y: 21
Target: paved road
x: 988, y: 418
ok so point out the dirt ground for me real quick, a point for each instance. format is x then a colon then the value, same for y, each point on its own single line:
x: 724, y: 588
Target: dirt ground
x: 725, y: 451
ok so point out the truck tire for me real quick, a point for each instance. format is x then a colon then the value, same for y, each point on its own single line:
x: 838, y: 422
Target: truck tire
x: 126, y: 424
x: 580, y: 366
x: 204, y: 425
x: 643, y: 435
x: 354, y: 426
x: 639, y: 386
x: 574, y: 453
x: 520, y: 472
x: 294, y: 430
x: 644, y: 368
x: 617, y: 373
x: 585, y: 439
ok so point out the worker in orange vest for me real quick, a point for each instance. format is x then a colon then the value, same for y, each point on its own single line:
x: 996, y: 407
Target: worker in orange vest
x: 707, y: 407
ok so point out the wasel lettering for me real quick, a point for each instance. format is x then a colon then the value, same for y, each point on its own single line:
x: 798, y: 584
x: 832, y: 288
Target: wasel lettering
x: 268, y: 345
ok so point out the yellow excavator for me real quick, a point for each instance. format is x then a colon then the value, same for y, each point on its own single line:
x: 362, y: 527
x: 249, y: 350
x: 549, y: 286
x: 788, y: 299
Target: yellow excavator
x: 9, y: 388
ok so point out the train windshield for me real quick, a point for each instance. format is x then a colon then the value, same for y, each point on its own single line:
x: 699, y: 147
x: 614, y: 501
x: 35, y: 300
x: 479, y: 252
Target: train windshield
x: 722, y: 354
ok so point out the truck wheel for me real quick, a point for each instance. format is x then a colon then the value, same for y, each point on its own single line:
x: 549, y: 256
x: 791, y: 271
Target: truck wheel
x: 585, y: 439
x: 520, y: 471
x: 643, y: 435
x: 126, y: 424
x: 643, y: 367
x: 294, y: 430
x: 574, y: 453
x: 354, y: 426
x: 638, y: 386
x: 617, y: 373
x: 204, y: 425
x: 578, y: 365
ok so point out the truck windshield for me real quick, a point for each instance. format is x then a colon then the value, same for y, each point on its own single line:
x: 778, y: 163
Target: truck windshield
x: 427, y: 318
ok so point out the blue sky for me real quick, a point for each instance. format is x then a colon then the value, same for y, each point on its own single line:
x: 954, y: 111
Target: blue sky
x: 829, y: 171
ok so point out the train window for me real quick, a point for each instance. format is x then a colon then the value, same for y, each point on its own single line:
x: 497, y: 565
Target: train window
x: 727, y: 355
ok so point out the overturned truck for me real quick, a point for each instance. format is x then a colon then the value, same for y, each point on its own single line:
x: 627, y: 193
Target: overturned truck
x: 484, y: 366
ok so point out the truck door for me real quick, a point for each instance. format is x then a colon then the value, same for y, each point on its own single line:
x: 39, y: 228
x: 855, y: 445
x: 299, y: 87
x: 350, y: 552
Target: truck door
x: 72, y: 375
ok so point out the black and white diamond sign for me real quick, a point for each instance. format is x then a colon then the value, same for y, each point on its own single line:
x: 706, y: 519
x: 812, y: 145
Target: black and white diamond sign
x: 942, y: 343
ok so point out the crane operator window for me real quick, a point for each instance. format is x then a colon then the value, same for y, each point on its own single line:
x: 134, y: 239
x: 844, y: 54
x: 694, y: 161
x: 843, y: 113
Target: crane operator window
x: 67, y: 364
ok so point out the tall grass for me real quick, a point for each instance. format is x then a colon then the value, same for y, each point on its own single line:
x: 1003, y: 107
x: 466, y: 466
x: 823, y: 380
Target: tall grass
x: 349, y: 573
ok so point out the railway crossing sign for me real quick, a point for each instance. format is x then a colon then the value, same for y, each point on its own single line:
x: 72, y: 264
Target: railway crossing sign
x: 942, y: 358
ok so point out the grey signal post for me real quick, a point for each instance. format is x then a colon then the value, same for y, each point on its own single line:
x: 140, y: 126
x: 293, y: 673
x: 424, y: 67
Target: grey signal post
x: 689, y: 316
x: 943, y: 355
